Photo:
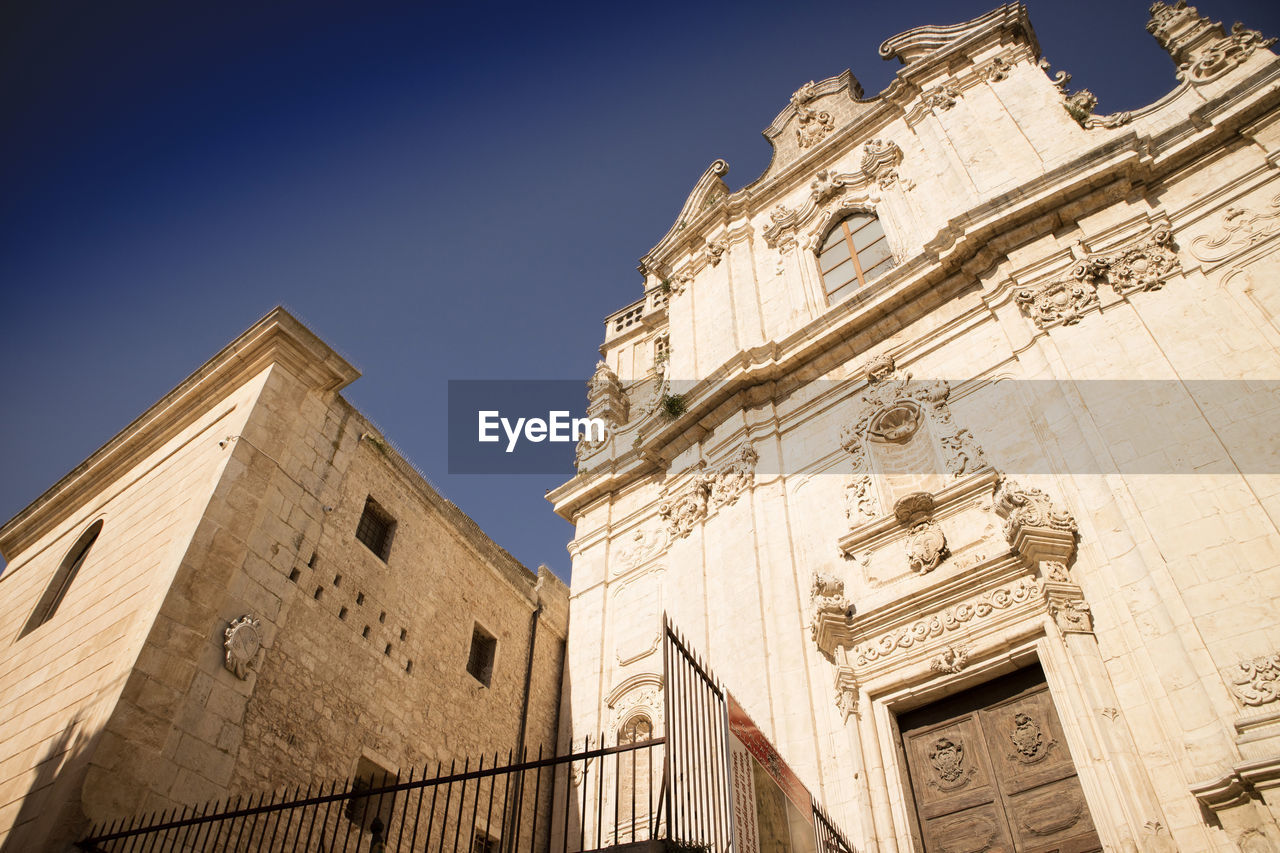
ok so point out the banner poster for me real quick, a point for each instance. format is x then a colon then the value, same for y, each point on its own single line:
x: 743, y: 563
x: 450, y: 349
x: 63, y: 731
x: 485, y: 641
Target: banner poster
x: 772, y: 809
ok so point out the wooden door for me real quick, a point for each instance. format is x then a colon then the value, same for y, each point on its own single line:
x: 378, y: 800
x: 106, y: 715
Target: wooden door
x: 990, y: 772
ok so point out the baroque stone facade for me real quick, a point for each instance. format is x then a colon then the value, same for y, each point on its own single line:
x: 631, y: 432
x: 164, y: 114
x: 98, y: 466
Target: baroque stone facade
x: 228, y: 633
x: 1038, y: 440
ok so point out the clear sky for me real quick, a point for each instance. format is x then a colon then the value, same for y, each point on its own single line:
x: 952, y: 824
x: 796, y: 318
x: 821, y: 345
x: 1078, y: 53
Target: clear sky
x: 440, y: 190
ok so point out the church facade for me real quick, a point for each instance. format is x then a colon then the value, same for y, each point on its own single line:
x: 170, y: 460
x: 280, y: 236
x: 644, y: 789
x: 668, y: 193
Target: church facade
x: 949, y: 441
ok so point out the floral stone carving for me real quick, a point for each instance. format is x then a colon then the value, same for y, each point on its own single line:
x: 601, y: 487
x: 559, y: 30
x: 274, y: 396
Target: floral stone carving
x: 709, y: 490
x: 1256, y: 681
x: 1022, y: 507
x: 243, y: 641
x: 880, y: 161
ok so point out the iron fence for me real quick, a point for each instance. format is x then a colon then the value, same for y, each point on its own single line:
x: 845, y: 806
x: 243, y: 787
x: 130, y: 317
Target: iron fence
x: 601, y: 796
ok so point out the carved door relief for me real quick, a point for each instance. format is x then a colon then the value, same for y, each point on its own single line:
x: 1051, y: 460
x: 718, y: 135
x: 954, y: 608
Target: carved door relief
x: 990, y: 771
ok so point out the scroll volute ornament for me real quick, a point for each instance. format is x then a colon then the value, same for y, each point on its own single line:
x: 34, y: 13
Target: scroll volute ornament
x: 1036, y: 527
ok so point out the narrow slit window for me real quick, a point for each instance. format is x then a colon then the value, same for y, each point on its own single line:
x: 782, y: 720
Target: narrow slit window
x: 854, y: 254
x: 56, y: 591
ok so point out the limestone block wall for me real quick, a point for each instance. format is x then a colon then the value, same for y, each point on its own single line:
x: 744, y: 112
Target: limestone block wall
x: 60, y: 683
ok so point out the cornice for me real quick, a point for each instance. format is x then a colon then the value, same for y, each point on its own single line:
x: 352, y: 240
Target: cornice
x: 937, y: 43
x: 278, y: 338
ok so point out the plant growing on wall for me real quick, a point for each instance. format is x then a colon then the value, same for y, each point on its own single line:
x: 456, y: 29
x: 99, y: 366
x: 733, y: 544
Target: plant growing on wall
x: 673, y: 406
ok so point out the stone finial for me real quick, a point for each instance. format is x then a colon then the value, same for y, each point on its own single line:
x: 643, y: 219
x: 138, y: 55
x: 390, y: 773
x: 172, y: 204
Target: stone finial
x: 1198, y: 46
x: 605, y: 397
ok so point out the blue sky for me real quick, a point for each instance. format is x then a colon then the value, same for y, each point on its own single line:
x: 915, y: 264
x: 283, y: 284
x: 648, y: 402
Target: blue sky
x: 440, y: 190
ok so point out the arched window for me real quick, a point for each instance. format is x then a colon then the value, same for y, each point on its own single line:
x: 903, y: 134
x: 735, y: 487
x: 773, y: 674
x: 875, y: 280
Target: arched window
x: 638, y: 729
x: 62, y: 578
x: 854, y: 254
x: 635, y: 789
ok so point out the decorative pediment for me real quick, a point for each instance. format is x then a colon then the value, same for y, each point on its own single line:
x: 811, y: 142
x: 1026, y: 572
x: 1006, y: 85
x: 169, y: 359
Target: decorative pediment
x: 920, y: 43
x: 708, y: 193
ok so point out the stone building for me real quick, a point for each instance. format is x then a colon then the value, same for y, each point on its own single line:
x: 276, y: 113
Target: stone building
x: 950, y: 441
x: 249, y: 588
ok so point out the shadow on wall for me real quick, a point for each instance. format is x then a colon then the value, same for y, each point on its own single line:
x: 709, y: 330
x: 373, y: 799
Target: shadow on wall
x: 40, y: 824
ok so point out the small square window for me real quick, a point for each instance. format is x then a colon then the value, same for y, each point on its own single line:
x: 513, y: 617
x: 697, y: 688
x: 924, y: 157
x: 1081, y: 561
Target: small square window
x: 484, y: 843
x: 375, y: 529
x: 480, y: 662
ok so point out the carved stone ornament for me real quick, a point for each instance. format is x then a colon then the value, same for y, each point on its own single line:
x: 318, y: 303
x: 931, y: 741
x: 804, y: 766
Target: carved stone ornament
x: 1072, y: 615
x: 709, y: 490
x: 640, y: 547
x: 715, y: 251
x: 946, y: 756
x: 605, y: 397
x: 880, y: 161
x: 811, y: 125
x: 1223, y: 55
x: 893, y: 408
x: 997, y: 70
x: 942, y: 98
x: 1144, y: 265
x: 1056, y: 571
x: 952, y: 660
x: 1256, y: 681
x: 926, y: 543
x: 1199, y: 47
x: 1020, y: 591
x: 846, y: 692
x: 1241, y: 229
x: 828, y: 600
x: 1029, y: 744
x: 1063, y: 301
x: 242, y: 644
x: 1029, y: 507
x: 824, y: 185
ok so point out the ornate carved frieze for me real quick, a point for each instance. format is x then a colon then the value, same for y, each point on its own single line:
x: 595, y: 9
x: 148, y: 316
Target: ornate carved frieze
x: 243, y: 641
x: 811, y: 125
x: 1256, y: 681
x: 1145, y: 265
x: 880, y: 161
x: 951, y: 660
x: 1241, y: 229
x: 952, y: 618
x: 709, y: 490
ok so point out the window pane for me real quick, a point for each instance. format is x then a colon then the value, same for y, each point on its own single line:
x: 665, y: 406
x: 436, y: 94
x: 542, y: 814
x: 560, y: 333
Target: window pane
x: 835, y: 236
x: 872, y: 232
x: 873, y: 254
x: 834, y: 255
x: 842, y: 292
x: 839, y: 276
x: 879, y: 269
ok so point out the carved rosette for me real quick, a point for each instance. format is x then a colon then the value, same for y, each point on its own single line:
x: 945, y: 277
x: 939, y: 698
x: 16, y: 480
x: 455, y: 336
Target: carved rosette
x: 811, y: 125
x: 709, y: 490
x: 1256, y: 681
x: 243, y: 641
x: 880, y: 161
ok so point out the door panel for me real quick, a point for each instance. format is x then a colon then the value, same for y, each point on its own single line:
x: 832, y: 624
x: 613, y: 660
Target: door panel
x: 990, y: 772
